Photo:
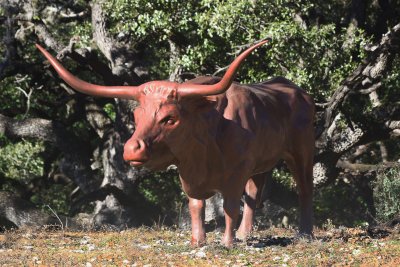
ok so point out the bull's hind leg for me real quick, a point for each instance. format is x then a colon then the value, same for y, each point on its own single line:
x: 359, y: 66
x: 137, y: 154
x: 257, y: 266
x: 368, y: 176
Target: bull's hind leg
x: 231, y: 209
x: 252, y: 199
x: 301, y: 167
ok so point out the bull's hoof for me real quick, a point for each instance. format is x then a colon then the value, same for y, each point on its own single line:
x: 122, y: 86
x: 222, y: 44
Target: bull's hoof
x: 229, y: 243
x: 195, y: 243
x: 242, y: 236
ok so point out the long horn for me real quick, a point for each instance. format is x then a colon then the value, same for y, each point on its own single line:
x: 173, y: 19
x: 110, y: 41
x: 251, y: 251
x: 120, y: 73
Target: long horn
x: 187, y: 89
x: 128, y: 92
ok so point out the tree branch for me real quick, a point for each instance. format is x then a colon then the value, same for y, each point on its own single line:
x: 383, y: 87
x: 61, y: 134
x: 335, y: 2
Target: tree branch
x: 378, y: 64
x: 359, y: 167
x: 75, y: 165
x: 339, y: 131
x: 118, y: 55
x: 8, y: 39
x: 39, y: 129
x: 176, y: 68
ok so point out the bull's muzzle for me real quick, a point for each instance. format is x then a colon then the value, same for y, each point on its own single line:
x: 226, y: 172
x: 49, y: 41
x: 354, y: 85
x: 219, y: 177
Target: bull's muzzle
x: 135, y: 152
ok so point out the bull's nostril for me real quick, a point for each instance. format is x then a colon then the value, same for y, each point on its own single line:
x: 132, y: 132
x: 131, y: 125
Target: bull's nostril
x: 136, y: 146
x: 135, y: 150
x: 142, y: 144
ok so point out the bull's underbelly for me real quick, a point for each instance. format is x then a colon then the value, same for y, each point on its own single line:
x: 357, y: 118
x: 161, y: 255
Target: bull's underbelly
x: 265, y: 165
x: 198, y: 192
x: 231, y: 162
x: 228, y: 182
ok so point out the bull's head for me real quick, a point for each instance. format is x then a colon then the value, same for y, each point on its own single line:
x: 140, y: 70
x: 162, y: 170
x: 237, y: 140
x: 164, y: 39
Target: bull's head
x: 159, y: 118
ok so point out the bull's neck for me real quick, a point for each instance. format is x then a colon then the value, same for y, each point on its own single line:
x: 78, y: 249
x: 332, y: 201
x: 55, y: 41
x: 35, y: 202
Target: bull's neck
x: 199, y: 155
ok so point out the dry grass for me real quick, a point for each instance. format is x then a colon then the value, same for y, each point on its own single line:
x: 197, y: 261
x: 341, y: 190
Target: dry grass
x: 167, y: 247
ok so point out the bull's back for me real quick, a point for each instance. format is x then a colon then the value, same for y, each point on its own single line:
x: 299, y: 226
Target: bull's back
x: 269, y: 105
x: 278, y: 114
x: 260, y: 120
x: 292, y: 103
x: 279, y: 100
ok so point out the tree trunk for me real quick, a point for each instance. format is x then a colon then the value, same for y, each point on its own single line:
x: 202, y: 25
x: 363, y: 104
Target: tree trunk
x: 101, y: 175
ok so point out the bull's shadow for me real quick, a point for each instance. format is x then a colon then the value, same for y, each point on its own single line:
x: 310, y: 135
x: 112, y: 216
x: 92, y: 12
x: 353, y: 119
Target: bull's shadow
x: 268, y: 241
x: 253, y: 241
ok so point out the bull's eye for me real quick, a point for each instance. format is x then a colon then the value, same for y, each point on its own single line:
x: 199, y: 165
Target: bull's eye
x: 168, y: 121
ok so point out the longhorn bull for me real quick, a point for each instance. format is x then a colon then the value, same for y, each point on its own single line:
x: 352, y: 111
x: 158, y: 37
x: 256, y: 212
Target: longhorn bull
x: 221, y: 135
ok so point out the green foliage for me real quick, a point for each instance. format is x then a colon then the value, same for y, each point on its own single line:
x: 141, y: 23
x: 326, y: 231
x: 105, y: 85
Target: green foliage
x: 151, y: 18
x: 21, y: 161
x: 342, y: 203
x: 387, y: 194
x: 56, y: 196
x: 22, y: 96
x: 84, y: 33
x: 391, y: 84
x: 163, y: 189
x: 109, y: 108
x: 284, y: 177
x: 82, y: 129
x: 317, y: 57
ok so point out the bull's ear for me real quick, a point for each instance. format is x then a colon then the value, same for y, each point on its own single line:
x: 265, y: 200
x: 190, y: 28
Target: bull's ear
x: 172, y: 95
x: 211, y: 98
x: 200, y: 103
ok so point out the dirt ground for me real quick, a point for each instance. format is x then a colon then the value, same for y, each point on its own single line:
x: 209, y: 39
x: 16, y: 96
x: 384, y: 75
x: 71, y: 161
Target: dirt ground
x: 160, y: 246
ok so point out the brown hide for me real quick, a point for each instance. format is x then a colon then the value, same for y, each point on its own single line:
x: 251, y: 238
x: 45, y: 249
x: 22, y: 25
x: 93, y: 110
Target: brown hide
x: 222, y: 136
x: 219, y: 143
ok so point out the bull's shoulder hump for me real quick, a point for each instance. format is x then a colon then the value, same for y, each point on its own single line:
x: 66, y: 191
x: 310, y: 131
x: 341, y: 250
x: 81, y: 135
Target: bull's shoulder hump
x: 204, y: 80
x: 276, y: 82
x: 279, y: 85
x: 278, y: 79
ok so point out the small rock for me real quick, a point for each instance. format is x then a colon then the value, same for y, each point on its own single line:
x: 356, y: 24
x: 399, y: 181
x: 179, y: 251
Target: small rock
x: 286, y: 258
x: 160, y: 242
x: 277, y: 258
x: 356, y: 252
x: 203, y: 248
x: 143, y: 246
x: 78, y: 251
x: 200, y: 254
x: 85, y: 239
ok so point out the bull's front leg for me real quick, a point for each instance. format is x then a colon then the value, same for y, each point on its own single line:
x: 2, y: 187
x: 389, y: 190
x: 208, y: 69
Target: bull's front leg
x: 197, y: 215
x: 231, y: 209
